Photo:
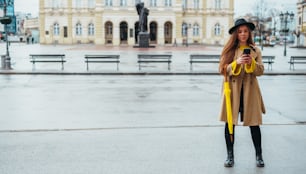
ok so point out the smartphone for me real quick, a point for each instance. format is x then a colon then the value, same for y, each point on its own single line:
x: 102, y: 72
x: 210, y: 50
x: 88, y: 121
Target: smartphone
x: 246, y: 51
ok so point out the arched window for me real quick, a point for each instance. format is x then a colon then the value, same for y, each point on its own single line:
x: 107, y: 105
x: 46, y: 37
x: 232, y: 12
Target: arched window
x: 78, y: 29
x: 56, y: 29
x: 217, y: 30
x: 196, y: 30
x: 109, y: 28
x: 91, y: 29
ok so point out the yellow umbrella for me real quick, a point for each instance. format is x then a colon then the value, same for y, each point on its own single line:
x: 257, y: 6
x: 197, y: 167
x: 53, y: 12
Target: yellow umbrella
x: 227, y: 93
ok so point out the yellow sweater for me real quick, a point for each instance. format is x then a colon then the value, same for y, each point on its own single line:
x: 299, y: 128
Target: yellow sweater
x: 236, y: 69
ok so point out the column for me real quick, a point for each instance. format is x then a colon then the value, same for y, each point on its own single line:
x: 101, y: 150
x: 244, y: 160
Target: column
x: 204, y: 22
x: 99, y: 27
x: 69, y: 39
x: 42, y: 17
x: 177, y: 34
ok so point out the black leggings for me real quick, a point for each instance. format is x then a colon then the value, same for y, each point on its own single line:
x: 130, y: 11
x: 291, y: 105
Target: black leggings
x: 256, y: 137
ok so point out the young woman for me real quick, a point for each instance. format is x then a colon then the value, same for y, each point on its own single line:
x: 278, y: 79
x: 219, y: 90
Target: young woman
x: 242, y: 68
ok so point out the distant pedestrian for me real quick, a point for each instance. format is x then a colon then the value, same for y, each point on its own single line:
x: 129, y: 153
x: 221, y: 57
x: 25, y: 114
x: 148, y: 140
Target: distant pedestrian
x: 242, y: 62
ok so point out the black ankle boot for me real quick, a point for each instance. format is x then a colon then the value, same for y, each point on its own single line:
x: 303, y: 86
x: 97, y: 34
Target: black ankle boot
x: 229, y: 162
x: 259, y: 160
x: 256, y: 137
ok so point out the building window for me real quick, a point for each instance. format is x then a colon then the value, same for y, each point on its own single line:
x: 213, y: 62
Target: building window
x: 168, y: 3
x: 78, y: 29
x: 109, y: 28
x: 153, y: 3
x: 91, y: 3
x: 65, y: 31
x: 78, y: 3
x: 184, y: 4
x: 196, y: 4
x: 10, y: 10
x: 184, y: 29
x: 108, y: 3
x: 56, y: 29
x: 91, y: 29
x: 167, y: 29
x: 55, y: 4
x: 196, y: 30
x: 137, y: 1
x: 217, y: 30
x: 217, y: 4
x: 123, y: 3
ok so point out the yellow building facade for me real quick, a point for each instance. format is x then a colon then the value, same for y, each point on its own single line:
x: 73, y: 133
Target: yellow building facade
x: 115, y: 22
x: 301, y: 23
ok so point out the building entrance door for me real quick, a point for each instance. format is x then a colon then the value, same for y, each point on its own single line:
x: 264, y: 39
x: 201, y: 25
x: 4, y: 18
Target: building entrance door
x: 109, y: 33
x: 136, y: 30
x: 168, y: 32
x: 153, y: 33
x: 123, y: 33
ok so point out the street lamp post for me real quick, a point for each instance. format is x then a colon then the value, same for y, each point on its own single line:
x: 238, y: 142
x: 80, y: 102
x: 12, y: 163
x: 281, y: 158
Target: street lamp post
x: 6, y: 20
x: 286, y: 18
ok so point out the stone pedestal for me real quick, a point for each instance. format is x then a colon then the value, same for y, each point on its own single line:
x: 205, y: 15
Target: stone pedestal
x: 143, y: 39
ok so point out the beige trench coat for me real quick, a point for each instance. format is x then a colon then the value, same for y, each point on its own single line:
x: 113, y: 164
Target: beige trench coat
x: 253, y: 103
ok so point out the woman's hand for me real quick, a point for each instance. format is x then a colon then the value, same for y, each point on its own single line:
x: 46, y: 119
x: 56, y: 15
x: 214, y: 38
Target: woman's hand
x: 244, y: 59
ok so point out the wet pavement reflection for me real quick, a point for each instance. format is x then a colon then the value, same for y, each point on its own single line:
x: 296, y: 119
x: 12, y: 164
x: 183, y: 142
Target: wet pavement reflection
x: 72, y: 102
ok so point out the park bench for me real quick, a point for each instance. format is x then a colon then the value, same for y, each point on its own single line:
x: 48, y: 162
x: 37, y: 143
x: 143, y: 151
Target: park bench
x: 47, y: 58
x: 203, y: 58
x: 296, y: 59
x: 102, y: 59
x: 154, y: 58
x: 269, y: 60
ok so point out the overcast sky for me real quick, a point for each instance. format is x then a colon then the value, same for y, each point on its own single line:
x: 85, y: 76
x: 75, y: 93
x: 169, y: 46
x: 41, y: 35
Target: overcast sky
x: 241, y: 6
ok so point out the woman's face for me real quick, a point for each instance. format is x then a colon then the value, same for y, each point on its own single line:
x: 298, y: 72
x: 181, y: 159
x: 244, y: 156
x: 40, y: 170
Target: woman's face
x: 243, y: 34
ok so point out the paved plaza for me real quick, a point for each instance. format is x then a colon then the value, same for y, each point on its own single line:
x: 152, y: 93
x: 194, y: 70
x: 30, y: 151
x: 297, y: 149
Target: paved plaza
x: 75, y: 64
x: 131, y: 123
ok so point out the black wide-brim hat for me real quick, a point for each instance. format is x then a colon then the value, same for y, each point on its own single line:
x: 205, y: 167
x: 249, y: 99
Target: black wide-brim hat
x: 240, y: 22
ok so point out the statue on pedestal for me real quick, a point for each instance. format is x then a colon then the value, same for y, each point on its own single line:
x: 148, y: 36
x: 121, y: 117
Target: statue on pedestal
x: 143, y: 35
x: 143, y: 17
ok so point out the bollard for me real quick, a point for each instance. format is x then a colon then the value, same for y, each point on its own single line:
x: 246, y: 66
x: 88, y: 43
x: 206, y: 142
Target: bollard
x: 3, y: 61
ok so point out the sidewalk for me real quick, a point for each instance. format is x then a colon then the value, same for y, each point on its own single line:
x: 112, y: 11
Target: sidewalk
x: 19, y: 53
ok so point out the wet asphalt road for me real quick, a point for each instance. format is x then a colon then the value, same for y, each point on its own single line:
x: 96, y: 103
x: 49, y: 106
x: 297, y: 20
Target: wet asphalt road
x: 141, y: 124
